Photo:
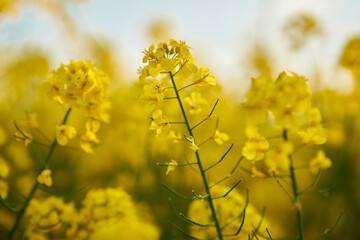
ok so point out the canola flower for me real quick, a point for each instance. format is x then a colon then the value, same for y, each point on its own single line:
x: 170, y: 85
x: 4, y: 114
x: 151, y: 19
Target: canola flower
x: 234, y: 209
x: 104, y: 214
x: 170, y: 73
x: 285, y: 104
x: 78, y: 85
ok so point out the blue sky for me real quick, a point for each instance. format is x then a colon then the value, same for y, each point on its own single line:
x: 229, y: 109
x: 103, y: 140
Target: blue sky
x: 220, y: 32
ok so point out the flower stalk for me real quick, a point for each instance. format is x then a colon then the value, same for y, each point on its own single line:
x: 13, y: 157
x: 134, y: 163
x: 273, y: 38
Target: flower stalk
x: 201, y: 168
x: 296, y: 195
x: 36, y: 184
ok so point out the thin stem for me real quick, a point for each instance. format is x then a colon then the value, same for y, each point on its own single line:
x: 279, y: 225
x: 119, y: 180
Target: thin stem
x: 36, y: 184
x: 297, y: 202
x: 191, y: 84
x: 206, y: 185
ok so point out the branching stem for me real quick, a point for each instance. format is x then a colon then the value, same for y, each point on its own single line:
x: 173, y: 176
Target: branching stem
x: 36, y: 184
x: 296, y: 194
x: 205, y: 181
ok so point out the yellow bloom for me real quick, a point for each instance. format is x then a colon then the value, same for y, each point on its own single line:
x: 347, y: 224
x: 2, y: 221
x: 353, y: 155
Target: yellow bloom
x: 3, y: 136
x: 153, y: 93
x: 350, y: 58
x: 320, y: 162
x: 63, y: 133
x: 45, y: 178
x: 171, y: 167
x: 193, y: 145
x: 158, y: 121
x: 80, y: 84
x: 204, y: 76
x: 87, y: 140
x: 278, y: 158
x: 174, y: 137
x: 4, y: 188
x: 256, y: 104
x: 23, y: 137
x: 195, y: 102
x: 220, y: 137
x: 33, y: 122
x: 313, y: 135
x: 257, y: 174
x: 256, y: 145
x: 4, y: 168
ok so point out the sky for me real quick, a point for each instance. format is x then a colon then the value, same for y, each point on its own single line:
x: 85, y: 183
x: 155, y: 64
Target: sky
x: 220, y: 33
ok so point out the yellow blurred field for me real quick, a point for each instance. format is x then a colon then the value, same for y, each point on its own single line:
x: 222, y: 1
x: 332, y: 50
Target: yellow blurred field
x: 178, y: 140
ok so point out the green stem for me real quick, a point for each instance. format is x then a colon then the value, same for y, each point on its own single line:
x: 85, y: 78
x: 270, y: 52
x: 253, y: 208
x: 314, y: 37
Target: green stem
x: 36, y: 184
x: 297, y: 202
x: 201, y: 168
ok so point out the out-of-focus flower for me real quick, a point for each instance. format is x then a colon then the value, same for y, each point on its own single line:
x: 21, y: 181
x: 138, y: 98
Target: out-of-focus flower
x: 32, y: 119
x: 3, y: 136
x: 204, y: 76
x: 313, y: 135
x: 320, y: 162
x: 4, y: 168
x: 350, y: 57
x: 300, y: 28
x: 257, y: 174
x: 158, y: 121
x: 255, y: 146
x: 230, y: 209
x: 23, y: 137
x: 195, y: 101
x: 45, y: 178
x: 278, y: 158
x: 220, y: 137
x: 63, y: 133
x: 87, y: 140
x: 4, y: 188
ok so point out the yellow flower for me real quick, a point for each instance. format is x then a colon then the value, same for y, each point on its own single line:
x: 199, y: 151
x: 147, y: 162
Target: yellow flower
x: 87, y: 140
x: 3, y: 136
x: 153, y: 93
x: 220, y: 137
x: 204, y: 76
x: 257, y: 174
x: 175, y: 138
x: 195, y: 102
x: 350, y: 58
x: 63, y: 133
x: 193, y: 145
x: 256, y: 104
x: 256, y: 145
x: 80, y: 84
x: 4, y: 188
x: 4, y: 168
x: 33, y: 122
x: 278, y: 158
x: 158, y: 121
x: 45, y: 178
x: 313, y: 135
x: 23, y: 137
x: 171, y: 167
x: 320, y: 162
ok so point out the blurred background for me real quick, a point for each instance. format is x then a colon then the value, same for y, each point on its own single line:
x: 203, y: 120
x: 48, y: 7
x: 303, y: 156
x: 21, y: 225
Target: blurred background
x: 237, y: 40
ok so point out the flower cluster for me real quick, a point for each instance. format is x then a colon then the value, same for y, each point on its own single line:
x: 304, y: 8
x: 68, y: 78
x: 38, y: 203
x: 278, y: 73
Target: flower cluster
x: 4, y: 172
x: 80, y: 85
x: 173, y: 60
x: 350, y: 57
x: 287, y: 103
x: 231, y: 210
x: 105, y: 214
